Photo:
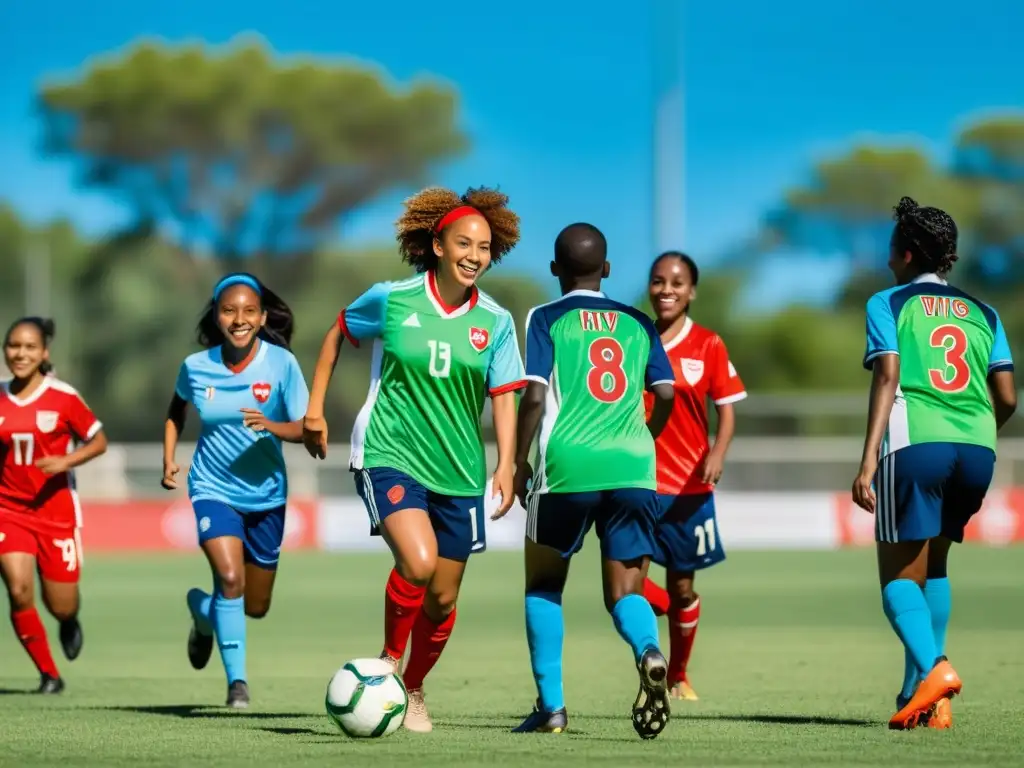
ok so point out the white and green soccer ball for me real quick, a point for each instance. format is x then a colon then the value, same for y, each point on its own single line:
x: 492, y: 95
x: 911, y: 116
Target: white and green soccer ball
x: 367, y: 699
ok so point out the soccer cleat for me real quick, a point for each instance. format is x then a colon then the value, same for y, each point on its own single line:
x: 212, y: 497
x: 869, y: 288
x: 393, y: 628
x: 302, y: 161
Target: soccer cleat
x: 238, y: 695
x: 941, y: 715
x: 200, y: 647
x: 651, y: 709
x: 941, y: 683
x: 71, y: 638
x: 49, y: 684
x: 395, y: 663
x: 417, y: 719
x: 683, y: 692
x: 540, y: 721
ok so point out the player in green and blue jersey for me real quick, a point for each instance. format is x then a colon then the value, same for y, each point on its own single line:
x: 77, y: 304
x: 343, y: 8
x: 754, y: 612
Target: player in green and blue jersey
x: 589, y: 360
x: 942, y: 386
x: 249, y: 393
x: 440, y: 348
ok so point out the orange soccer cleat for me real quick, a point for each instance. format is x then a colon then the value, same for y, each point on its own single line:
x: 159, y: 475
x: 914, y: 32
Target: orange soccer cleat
x: 941, y: 683
x: 683, y: 691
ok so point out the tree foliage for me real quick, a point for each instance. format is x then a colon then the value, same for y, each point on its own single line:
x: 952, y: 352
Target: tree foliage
x: 234, y: 152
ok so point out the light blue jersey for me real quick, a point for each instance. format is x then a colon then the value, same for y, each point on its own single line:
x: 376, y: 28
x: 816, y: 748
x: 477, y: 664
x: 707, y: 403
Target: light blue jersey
x: 233, y: 464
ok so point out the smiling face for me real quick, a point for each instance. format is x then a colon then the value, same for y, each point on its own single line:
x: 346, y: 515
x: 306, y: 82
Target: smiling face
x: 671, y: 289
x: 240, y: 315
x: 464, y: 250
x: 25, y: 350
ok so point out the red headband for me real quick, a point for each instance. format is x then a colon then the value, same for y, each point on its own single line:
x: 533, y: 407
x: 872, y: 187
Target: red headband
x: 455, y: 215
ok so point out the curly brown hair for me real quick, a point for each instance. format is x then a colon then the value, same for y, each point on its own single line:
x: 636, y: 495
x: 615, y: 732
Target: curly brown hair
x: 415, y: 227
x: 929, y: 234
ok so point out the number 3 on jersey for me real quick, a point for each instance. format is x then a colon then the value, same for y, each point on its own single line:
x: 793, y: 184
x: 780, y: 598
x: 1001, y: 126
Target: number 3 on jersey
x: 606, y: 380
x: 956, y: 374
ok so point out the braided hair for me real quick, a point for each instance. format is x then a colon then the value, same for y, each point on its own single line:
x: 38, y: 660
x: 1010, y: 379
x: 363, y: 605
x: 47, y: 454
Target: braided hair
x: 928, y: 234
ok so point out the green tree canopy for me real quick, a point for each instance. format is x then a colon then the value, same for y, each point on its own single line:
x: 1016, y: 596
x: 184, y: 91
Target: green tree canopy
x: 237, y: 153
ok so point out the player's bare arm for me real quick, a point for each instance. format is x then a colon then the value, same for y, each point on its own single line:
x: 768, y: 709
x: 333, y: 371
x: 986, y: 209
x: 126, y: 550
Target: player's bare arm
x: 314, y: 426
x: 173, y: 425
x: 531, y: 409
x: 288, y: 431
x: 664, y: 396
x: 715, y: 461
x: 885, y: 378
x: 89, y: 450
x: 503, y: 410
x: 1003, y: 390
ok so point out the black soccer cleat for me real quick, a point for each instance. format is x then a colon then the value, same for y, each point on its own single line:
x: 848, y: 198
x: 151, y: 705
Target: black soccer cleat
x: 49, y: 684
x: 200, y: 648
x: 238, y: 695
x: 71, y: 638
x: 651, y: 709
x: 540, y: 721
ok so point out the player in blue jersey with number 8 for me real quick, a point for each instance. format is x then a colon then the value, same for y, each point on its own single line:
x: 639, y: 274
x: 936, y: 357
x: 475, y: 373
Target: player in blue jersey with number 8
x: 251, y: 396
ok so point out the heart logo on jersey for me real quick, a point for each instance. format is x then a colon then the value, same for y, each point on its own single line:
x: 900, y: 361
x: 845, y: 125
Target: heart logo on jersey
x: 46, y: 421
x: 693, y: 370
x: 479, y: 338
x: 261, y: 391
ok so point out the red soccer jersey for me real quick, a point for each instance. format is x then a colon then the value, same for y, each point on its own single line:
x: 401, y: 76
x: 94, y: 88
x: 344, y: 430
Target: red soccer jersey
x: 701, y: 364
x: 46, y: 423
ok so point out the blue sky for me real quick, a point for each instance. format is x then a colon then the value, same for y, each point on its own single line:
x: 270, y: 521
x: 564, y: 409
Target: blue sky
x: 557, y: 98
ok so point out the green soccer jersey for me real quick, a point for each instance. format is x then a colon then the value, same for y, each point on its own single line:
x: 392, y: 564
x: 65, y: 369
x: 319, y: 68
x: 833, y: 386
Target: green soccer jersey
x: 948, y: 343
x: 596, y: 356
x: 433, y: 366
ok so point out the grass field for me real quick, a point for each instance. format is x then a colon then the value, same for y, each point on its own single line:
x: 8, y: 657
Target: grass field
x: 794, y: 662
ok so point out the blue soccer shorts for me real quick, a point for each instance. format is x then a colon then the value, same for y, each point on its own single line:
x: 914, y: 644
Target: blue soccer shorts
x: 624, y: 519
x: 458, y: 521
x: 687, y: 532
x: 930, y: 489
x: 261, y: 532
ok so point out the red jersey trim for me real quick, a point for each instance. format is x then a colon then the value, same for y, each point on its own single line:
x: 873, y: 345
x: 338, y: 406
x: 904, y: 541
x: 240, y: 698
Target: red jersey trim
x: 242, y: 364
x: 511, y: 387
x: 447, y: 309
x: 731, y: 399
x: 343, y: 327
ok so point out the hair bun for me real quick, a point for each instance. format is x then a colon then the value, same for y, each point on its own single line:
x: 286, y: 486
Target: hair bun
x: 906, y: 206
x: 48, y: 326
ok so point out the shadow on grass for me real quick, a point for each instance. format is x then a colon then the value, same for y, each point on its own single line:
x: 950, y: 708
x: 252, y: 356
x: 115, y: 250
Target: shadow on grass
x: 204, y: 712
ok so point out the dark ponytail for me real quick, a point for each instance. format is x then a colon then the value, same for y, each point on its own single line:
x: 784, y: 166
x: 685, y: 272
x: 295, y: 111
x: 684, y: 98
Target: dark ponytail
x: 928, y: 234
x: 46, y: 329
x: 280, y: 323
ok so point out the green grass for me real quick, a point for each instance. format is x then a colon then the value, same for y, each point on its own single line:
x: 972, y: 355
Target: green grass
x: 794, y: 662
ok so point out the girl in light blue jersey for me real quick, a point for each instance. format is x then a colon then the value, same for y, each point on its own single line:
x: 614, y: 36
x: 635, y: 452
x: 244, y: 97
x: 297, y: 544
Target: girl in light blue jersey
x: 250, y: 394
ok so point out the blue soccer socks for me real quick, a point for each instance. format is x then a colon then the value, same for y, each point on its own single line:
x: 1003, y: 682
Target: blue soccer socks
x: 229, y: 624
x: 904, y: 605
x: 545, y: 632
x: 636, y: 623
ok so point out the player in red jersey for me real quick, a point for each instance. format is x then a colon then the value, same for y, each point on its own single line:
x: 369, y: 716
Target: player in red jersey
x: 41, y: 420
x: 688, y: 465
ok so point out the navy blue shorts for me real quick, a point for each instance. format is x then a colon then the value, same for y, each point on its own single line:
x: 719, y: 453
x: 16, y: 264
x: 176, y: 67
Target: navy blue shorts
x: 687, y: 532
x: 930, y: 489
x: 261, y: 532
x: 458, y: 521
x: 624, y: 519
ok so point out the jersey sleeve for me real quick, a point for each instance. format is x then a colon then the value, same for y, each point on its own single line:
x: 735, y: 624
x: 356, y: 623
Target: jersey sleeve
x: 881, y: 330
x: 183, y: 385
x: 726, y: 384
x: 505, y: 373
x: 296, y: 394
x: 1000, y: 358
x: 364, y: 317
x: 659, y: 369
x: 82, y: 421
x: 540, y: 352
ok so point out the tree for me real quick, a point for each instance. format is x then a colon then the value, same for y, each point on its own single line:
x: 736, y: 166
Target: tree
x: 847, y: 205
x: 236, y: 153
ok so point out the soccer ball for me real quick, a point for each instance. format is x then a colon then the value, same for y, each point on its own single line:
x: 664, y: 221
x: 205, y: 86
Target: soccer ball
x: 367, y: 699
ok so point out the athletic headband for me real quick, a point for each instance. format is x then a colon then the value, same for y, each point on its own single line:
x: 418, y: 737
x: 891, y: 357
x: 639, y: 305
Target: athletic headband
x: 230, y: 280
x: 453, y: 216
